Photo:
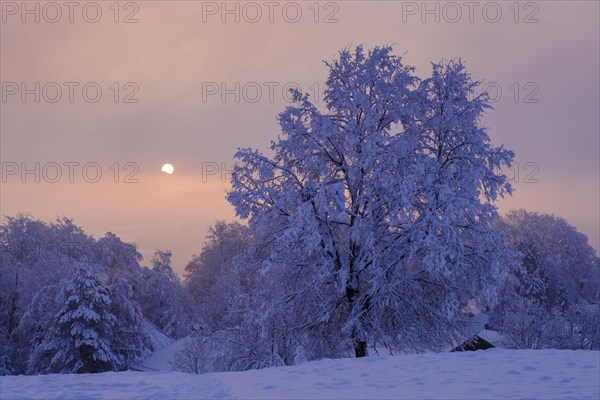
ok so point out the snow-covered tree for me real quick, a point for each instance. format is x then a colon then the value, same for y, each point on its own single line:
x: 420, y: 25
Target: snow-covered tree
x: 83, y: 337
x: 374, y: 215
x: 556, y: 279
x: 166, y: 302
x: 36, y: 257
x: 192, y: 357
x: 224, y: 280
x: 125, y: 282
x: 584, y: 324
x: 38, y: 326
x: 557, y: 263
x: 211, y: 276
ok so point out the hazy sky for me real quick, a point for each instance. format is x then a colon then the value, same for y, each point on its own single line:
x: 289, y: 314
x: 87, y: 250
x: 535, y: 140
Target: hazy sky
x: 188, y: 82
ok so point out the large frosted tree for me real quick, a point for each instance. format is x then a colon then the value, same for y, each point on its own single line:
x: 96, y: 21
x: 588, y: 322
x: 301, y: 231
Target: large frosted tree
x: 374, y: 215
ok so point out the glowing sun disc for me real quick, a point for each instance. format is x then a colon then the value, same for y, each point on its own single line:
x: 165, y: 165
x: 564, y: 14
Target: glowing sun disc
x: 168, y: 168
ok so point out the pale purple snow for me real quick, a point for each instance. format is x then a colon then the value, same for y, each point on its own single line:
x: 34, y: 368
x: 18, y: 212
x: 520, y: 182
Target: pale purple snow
x: 495, y: 373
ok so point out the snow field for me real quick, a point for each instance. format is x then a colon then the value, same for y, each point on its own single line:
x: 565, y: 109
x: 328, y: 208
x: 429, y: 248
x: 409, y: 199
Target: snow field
x: 490, y: 374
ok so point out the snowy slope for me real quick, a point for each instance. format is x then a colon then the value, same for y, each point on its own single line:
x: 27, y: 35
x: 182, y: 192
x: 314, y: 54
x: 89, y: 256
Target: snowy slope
x: 159, y: 337
x: 161, y: 359
x: 495, y: 373
x: 166, y: 347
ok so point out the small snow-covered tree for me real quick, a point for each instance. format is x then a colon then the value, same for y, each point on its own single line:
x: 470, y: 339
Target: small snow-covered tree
x: 194, y: 355
x: 374, y: 216
x: 584, y: 320
x: 83, y: 337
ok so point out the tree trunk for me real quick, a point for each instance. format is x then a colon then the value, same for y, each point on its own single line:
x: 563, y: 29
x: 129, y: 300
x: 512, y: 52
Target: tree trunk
x: 352, y: 291
x: 360, y: 348
x: 360, y: 345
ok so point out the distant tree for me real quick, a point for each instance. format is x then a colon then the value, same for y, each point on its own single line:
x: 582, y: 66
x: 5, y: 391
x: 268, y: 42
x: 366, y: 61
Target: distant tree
x: 556, y: 280
x: 166, y: 302
x: 375, y: 215
x: 224, y: 280
x: 211, y: 276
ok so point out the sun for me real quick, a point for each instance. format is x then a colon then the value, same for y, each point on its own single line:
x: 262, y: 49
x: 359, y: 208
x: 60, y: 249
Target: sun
x: 168, y: 168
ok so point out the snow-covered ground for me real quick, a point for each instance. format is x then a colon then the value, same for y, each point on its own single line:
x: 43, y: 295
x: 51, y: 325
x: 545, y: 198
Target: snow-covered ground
x: 495, y: 373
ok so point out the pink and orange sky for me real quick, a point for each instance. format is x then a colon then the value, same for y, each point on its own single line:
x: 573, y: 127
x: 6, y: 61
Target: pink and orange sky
x: 185, y: 82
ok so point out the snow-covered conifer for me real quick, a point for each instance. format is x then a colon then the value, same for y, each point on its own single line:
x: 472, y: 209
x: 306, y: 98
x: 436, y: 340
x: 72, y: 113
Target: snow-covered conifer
x: 82, y: 341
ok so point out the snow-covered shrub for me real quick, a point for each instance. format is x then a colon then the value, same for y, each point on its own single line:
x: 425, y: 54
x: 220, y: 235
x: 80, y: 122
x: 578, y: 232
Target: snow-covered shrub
x: 193, y: 356
x: 225, y: 350
x: 584, y: 321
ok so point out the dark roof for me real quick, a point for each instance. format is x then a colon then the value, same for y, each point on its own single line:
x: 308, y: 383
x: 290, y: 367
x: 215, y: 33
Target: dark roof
x: 476, y: 342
